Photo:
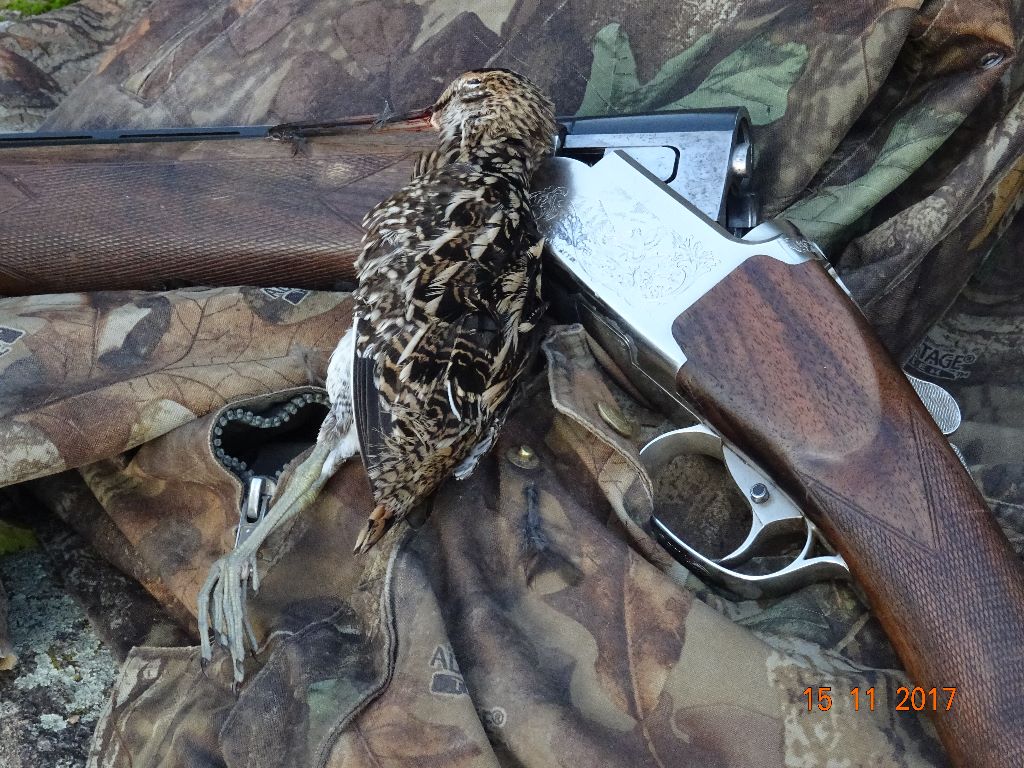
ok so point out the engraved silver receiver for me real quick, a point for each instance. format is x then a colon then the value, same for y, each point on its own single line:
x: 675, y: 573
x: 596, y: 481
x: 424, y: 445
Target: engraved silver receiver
x: 631, y: 253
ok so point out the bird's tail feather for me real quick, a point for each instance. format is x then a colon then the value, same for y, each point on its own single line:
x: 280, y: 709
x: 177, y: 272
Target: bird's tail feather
x: 377, y: 524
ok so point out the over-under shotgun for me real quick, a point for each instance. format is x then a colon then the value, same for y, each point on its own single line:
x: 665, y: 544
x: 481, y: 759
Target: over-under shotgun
x: 759, y: 339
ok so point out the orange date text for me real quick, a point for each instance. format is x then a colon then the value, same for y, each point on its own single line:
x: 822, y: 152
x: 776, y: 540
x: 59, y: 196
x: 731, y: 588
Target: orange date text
x: 916, y: 699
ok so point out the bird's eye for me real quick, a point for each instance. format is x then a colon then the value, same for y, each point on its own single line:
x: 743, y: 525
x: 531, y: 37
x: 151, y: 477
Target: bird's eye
x: 474, y: 81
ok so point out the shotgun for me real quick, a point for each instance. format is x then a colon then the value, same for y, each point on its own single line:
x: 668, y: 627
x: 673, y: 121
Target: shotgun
x: 757, y: 338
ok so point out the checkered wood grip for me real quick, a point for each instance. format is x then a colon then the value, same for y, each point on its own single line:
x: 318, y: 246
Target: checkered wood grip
x: 787, y: 368
x: 214, y: 212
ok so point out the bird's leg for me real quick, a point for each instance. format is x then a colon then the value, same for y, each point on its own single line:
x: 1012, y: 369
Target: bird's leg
x: 229, y: 576
x: 226, y: 586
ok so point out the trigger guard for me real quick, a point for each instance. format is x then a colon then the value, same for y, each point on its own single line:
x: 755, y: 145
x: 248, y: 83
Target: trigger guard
x: 776, y: 518
x: 802, y: 571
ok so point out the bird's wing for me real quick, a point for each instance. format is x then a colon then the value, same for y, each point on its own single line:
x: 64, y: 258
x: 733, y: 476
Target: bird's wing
x: 445, y: 288
x: 371, y: 422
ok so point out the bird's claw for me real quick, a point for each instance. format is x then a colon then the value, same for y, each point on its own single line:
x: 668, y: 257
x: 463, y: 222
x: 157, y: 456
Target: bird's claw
x: 222, y: 609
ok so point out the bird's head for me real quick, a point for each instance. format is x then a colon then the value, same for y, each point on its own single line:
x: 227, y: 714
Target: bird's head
x: 496, y: 105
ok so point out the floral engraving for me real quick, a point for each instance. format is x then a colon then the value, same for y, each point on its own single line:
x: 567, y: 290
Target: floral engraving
x: 621, y: 244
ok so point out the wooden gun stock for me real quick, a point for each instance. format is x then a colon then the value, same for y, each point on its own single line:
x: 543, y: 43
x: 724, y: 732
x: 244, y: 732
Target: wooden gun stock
x: 783, y: 364
x: 217, y: 211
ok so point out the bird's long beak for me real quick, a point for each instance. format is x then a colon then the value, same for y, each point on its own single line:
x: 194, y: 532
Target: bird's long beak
x: 414, y: 120
x: 417, y: 119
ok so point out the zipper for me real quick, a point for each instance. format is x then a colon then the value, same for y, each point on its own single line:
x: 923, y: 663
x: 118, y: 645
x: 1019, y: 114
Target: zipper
x: 259, y: 489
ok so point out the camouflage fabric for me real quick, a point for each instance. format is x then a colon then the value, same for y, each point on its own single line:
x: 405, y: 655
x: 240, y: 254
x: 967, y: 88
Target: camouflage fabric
x: 151, y: 361
x: 111, y: 583
x: 462, y: 642
x: 42, y: 58
x: 530, y: 619
x: 975, y: 352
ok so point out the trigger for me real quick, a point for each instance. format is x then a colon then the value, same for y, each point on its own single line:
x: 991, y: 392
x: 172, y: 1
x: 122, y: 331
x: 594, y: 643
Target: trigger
x: 774, y: 516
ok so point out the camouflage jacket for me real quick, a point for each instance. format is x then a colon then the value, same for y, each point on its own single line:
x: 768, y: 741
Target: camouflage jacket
x: 889, y: 132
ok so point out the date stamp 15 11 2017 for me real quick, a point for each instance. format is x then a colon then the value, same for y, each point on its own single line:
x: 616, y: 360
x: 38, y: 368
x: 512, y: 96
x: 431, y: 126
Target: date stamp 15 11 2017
x: 916, y: 699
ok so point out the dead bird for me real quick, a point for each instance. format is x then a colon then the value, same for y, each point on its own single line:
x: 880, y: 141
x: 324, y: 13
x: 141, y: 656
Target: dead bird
x: 446, y: 309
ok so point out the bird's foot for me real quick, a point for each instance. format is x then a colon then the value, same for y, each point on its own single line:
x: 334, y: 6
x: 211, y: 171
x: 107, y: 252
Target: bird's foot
x: 222, y: 608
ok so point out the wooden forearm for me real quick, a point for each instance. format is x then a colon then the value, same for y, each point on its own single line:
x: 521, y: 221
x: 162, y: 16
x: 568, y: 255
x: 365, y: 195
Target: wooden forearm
x: 249, y: 211
x: 783, y: 364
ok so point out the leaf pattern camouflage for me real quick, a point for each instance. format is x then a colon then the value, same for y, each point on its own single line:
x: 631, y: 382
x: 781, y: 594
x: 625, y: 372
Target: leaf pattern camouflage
x: 85, y: 377
x: 975, y: 351
x: 461, y: 643
x: 530, y: 619
x: 44, y: 57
